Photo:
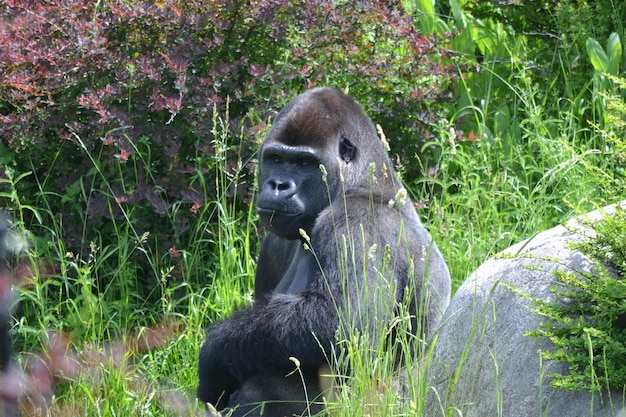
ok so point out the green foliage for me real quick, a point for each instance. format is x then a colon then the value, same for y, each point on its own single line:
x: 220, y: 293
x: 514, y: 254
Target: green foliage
x: 606, y: 61
x: 523, y: 129
x: 100, y: 303
x: 109, y: 104
x: 609, y: 244
x: 548, y: 19
x: 127, y: 139
x: 586, y: 323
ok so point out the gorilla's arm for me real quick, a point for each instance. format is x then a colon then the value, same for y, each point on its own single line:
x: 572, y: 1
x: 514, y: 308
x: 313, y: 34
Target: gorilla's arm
x: 261, y: 340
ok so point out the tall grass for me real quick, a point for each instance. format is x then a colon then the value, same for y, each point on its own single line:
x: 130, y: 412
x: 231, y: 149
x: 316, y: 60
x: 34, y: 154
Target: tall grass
x: 94, y: 297
x: 530, y: 154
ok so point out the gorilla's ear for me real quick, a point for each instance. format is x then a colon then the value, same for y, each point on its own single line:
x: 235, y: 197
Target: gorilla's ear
x: 346, y: 150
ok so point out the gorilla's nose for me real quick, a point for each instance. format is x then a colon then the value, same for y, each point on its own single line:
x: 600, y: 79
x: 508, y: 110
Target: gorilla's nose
x: 281, y: 187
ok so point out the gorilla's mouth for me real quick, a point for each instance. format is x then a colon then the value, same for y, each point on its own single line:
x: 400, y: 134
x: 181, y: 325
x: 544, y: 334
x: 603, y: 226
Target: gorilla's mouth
x: 278, y: 219
x: 273, y: 213
x: 277, y: 213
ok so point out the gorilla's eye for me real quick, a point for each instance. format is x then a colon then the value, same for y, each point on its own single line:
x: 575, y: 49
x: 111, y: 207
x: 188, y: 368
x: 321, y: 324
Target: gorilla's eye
x: 346, y: 150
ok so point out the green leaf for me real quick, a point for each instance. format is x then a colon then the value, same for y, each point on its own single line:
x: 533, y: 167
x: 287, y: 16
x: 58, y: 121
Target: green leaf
x: 459, y: 17
x: 599, y: 59
x: 614, y: 52
x: 426, y: 16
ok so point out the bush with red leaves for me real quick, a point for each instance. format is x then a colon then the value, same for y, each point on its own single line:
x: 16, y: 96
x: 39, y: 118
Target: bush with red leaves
x: 119, y: 96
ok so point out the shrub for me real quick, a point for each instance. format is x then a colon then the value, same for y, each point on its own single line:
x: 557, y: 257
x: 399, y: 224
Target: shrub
x: 110, y: 104
x: 403, y: 77
x: 557, y: 32
x: 106, y: 108
x: 587, y: 321
x: 543, y: 17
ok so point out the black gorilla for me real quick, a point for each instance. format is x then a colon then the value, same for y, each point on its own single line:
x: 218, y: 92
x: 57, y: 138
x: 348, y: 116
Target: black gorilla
x: 344, y: 248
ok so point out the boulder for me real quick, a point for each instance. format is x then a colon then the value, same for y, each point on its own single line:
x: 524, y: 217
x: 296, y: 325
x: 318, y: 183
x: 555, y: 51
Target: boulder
x: 482, y: 362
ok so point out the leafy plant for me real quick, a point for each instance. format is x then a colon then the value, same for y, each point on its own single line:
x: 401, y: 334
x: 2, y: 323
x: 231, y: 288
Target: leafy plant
x: 544, y: 18
x: 587, y: 322
x: 111, y: 338
x: 108, y: 105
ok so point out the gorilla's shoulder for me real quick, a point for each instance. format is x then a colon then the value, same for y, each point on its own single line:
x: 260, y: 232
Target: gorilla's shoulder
x: 356, y: 211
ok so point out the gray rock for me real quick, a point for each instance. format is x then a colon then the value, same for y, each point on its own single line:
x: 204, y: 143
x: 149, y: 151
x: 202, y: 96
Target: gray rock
x: 482, y: 363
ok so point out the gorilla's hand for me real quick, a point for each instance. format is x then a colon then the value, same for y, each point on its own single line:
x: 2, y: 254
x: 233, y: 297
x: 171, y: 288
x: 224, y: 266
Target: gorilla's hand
x: 216, y: 383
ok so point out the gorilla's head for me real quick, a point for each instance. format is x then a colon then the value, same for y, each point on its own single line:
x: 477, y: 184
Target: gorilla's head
x: 320, y: 127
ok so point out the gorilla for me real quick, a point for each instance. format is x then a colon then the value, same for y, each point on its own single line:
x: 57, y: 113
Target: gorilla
x: 344, y: 250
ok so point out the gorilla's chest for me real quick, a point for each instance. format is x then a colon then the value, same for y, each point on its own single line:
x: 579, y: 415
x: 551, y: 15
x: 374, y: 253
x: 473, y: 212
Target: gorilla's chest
x: 298, y: 275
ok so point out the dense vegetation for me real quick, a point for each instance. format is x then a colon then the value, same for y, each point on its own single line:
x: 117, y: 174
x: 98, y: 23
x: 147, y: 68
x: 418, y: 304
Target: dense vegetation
x: 586, y: 319
x: 129, y: 132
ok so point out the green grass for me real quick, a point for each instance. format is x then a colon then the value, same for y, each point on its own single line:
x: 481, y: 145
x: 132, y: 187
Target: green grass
x: 93, y: 300
x: 542, y: 154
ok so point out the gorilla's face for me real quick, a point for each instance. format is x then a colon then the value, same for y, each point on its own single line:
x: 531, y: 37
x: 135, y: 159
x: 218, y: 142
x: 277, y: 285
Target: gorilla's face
x: 320, y: 127
x: 292, y: 191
